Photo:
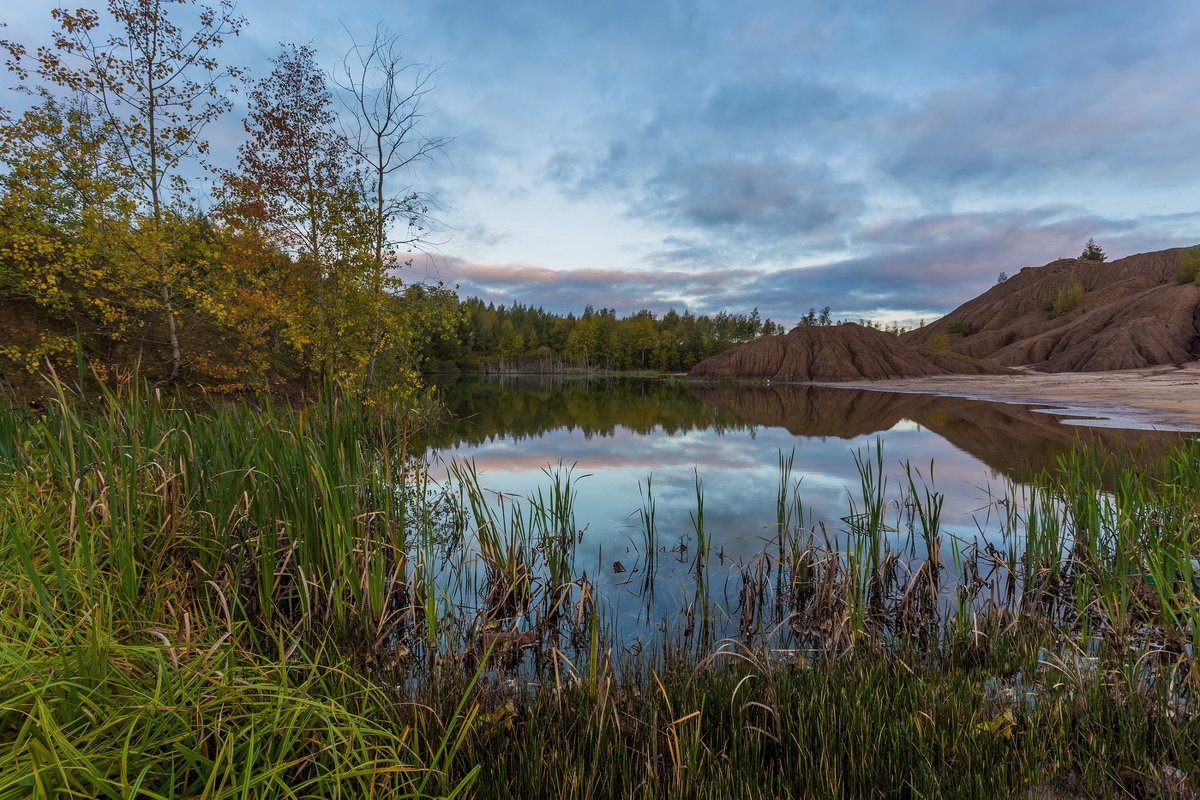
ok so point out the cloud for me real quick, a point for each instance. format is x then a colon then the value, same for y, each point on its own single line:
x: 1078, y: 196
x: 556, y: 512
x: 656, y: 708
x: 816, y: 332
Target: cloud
x: 778, y: 198
x: 1116, y: 124
x: 782, y: 104
x: 1011, y: 102
x: 886, y: 157
x: 486, y: 236
x: 580, y: 176
x: 683, y: 252
x: 569, y: 290
x: 921, y: 266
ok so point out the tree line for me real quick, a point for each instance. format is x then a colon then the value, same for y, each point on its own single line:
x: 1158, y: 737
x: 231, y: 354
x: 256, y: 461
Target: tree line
x: 521, y: 338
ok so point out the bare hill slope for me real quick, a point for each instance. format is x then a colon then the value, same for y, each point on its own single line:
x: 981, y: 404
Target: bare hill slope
x: 1130, y: 313
x: 844, y: 352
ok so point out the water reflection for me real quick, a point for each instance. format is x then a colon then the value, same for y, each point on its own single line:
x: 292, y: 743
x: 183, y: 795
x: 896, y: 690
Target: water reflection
x: 619, y: 433
x: 1014, y: 440
x: 518, y: 409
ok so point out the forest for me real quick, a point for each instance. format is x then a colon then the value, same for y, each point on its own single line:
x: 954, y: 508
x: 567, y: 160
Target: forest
x: 518, y: 338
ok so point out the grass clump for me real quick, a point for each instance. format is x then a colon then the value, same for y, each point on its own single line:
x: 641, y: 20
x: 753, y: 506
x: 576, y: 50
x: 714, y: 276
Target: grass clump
x: 90, y: 710
x: 161, y: 637
x: 758, y: 724
x: 1067, y: 299
x: 958, y: 325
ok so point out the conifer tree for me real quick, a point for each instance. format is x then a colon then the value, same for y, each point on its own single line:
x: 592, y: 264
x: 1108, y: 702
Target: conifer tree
x: 1093, y: 252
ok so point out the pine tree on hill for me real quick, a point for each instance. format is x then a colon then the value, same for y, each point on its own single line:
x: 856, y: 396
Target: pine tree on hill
x: 1093, y: 252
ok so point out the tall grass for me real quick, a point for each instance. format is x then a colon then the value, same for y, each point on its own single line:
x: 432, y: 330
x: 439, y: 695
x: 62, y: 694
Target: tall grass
x: 276, y: 601
x: 191, y: 598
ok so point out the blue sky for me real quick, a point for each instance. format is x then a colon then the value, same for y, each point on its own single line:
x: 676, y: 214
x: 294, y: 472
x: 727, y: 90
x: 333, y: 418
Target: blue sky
x: 887, y: 159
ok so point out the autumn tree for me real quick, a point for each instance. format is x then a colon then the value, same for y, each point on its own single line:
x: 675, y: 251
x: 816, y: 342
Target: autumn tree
x: 59, y: 198
x: 308, y: 188
x: 101, y: 227
x: 154, y: 85
x: 292, y: 169
x: 297, y: 183
x: 639, y: 339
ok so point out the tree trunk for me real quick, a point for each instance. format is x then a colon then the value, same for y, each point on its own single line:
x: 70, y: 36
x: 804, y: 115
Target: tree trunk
x: 172, y: 330
x: 164, y: 281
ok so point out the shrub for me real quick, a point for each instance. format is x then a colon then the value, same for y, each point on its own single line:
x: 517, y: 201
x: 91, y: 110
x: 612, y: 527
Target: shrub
x: 958, y: 326
x: 938, y: 341
x: 1067, y: 299
x: 1188, y: 269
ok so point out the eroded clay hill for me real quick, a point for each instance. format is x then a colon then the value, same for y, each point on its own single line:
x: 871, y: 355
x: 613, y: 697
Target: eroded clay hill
x: 845, y: 352
x: 1131, y: 313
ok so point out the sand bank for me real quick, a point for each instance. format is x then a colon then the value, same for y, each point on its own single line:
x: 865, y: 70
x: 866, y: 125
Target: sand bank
x: 1159, y: 398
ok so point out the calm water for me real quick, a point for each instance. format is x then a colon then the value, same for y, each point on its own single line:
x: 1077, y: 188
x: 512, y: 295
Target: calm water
x: 618, y: 435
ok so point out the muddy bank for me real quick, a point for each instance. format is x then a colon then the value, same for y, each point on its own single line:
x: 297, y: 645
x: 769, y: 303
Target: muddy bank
x: 1162, y: 398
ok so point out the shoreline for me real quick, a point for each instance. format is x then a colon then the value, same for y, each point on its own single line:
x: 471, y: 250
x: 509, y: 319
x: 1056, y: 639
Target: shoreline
x: 1165, y: 398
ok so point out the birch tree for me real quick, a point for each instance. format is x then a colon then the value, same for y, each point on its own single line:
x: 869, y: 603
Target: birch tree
x: 155, y: 84
x: 384, y: 96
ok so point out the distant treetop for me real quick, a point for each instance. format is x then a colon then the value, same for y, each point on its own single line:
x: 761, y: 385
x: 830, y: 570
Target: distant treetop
x: 1093, y: 252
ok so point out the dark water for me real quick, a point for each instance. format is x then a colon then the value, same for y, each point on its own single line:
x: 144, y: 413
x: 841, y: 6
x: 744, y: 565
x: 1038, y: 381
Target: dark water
x: 617, y: 435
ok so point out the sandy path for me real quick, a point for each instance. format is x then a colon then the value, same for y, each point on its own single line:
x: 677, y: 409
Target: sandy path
x: 1162, y: 398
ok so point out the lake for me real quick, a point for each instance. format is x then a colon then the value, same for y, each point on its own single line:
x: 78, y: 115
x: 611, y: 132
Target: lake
x: 631, y: 446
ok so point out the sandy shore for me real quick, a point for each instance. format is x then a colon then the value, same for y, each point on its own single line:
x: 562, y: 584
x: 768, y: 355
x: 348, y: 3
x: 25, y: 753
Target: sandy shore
x: 1162, y: 398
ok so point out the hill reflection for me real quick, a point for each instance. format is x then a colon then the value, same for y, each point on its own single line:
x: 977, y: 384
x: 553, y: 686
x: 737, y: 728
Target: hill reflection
x: 1014, y: 440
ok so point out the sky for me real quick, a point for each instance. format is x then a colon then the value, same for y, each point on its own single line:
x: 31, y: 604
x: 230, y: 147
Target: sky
x: 886, y: 159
